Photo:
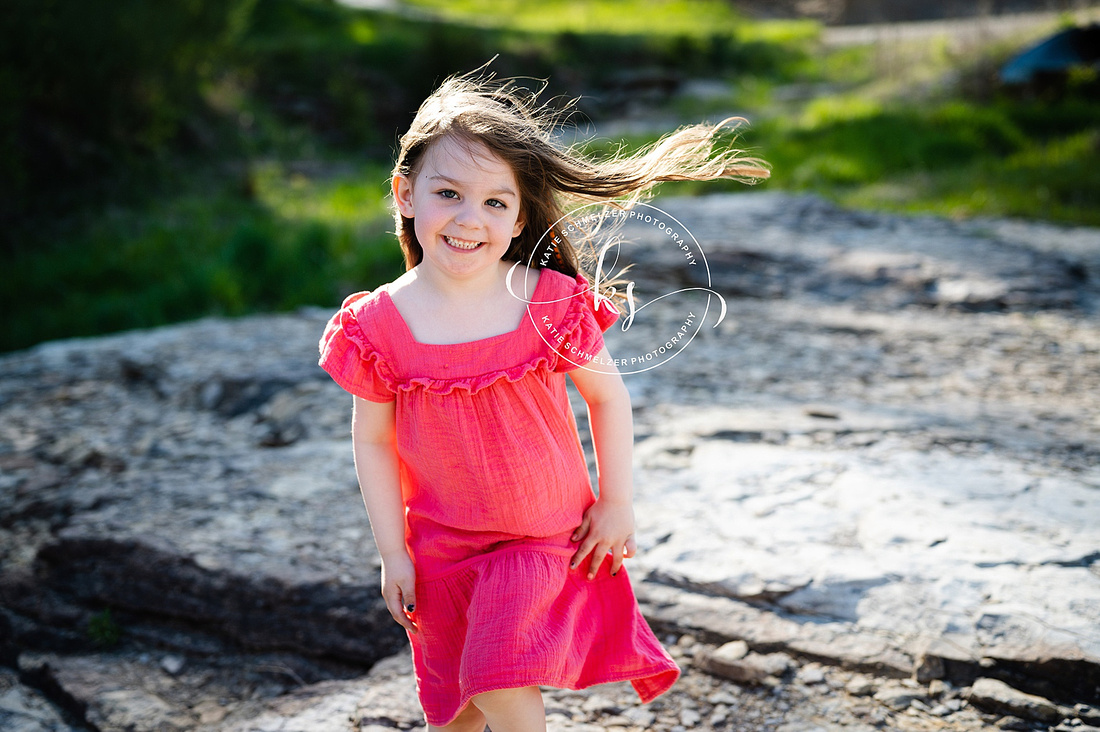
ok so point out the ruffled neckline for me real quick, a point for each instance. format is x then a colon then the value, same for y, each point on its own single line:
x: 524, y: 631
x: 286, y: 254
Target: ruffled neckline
x: 564, y: 296
x: 396, y: 315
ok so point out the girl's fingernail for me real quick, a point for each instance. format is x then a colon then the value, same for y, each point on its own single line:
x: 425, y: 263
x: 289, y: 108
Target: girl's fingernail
x: 409, y: 608
x: 614, y: 573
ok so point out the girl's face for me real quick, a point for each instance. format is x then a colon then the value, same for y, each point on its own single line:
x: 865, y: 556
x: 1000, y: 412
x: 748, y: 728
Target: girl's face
x: 465, y: 206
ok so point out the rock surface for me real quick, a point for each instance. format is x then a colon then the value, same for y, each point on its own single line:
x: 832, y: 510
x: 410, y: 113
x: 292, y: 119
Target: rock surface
x: 882, y: 464
x: 23, y: 709
x: 998, y: 696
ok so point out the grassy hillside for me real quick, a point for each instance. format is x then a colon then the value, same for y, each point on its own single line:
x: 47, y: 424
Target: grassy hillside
x: 233, y: 158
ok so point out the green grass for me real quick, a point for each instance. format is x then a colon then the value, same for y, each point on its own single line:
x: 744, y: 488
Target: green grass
x: 953, y: 158
x: 1054, y: 181
x: 916, y: 128
x: 698, y: 19
x: 629, y: 17
x: 275, y: 241
x: 103, y: 630
x: 282, y: 200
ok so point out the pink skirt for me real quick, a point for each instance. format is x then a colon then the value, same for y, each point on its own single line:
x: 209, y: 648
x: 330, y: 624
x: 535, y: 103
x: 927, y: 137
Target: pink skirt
x: 512, y: 614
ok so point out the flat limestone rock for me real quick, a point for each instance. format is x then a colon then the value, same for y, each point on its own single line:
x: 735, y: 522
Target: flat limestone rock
x: 997, y: 696
x: 391, y: 701
x: 23, y: 709
x: 321, y: 707
x: 151, y: 456
x: 884, y: 458
x: 978, y: 547
x: 116, y: 695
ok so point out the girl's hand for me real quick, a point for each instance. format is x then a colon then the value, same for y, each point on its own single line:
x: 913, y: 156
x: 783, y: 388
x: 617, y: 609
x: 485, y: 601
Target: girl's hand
x: 399, y: 588
x: 607, y: 526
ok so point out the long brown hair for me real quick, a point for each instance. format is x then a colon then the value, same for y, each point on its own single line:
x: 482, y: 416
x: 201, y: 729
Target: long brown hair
x: 552, y: 177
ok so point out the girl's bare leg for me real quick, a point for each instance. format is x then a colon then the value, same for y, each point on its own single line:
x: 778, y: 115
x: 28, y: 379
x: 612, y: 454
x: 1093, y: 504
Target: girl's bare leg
x: 513, y: 710
x: 469, y: 719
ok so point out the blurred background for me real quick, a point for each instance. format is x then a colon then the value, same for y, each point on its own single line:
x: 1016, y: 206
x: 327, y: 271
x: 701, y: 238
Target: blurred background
x: 165, y: 161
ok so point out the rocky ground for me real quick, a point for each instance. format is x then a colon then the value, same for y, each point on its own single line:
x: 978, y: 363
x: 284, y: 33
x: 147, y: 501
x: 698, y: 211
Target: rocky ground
x: 866, y: 499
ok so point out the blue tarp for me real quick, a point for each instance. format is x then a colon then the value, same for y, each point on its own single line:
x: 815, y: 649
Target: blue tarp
x: 1060, y: 52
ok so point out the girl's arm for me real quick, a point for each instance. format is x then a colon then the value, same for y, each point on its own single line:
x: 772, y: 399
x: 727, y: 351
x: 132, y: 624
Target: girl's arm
x: 608, y: 526
x: 373, y: 433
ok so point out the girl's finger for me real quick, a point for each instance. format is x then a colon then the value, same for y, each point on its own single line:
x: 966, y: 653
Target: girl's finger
x: 408, y: 601
x: 408, y: 607
x: 616, y: 560
x: 394, y: 603
x: 399, y: 616
x: 585, y: 548
x: 597, y: 559
x: 631, y: 547
x: 582, y: 530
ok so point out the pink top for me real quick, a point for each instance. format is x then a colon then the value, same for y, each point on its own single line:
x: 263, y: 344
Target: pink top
x: 485, y: 435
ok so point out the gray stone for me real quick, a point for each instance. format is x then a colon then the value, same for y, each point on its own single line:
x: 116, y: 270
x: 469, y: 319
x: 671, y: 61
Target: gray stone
x: 1087, y: 714
x: 668, y: 606
x: 937, y: 688
x: 690, y: 718
x: 928, y: 668
x: 997, y: 696
x: 731, y: 662
x: 899, y: 697
x: 172, y: 664
x: 168, y: 506
x: 882, y: 459
x: 384, y: 699
x: 602, y: 704
x: 639, y: 716
x: 811, y: 675
x: 127, y: 694
x: 860, y: 686
x: 732, y: 651
x: 134, y: 708
x: 23, y: 709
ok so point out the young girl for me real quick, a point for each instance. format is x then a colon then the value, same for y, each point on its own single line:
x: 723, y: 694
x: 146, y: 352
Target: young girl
x: 497, y: 558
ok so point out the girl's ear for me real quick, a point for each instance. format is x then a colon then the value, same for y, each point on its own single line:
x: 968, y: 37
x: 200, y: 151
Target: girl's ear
x: 518, y: 228
x: 402, y: 195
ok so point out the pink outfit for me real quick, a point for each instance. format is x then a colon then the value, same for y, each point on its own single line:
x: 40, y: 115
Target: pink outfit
x: 494, y: 483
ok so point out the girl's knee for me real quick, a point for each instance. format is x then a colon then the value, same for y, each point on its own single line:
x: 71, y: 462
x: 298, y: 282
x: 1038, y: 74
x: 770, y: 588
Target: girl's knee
x: 506, y: 697
x: 513, y: 710
x: 469, y: 719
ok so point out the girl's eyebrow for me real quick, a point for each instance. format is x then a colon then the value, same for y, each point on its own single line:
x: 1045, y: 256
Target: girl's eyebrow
x: 498, y: 192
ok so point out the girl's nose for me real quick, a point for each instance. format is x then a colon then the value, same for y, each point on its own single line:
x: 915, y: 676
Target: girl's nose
x: 468, y: 216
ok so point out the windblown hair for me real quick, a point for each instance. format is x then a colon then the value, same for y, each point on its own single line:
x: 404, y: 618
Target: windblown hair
x: 554, y: 178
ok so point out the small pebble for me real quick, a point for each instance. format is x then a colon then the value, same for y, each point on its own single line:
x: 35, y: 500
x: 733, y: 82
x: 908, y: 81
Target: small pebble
x: 690, y: 718
x: 722, y: 697
x: 860, y: 686
x: 811, y: 675
x: 172, y: 664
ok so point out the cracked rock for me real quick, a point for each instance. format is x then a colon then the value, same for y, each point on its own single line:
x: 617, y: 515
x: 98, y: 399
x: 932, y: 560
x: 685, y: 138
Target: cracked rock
x: 997, y: 696
x: 883, y: 461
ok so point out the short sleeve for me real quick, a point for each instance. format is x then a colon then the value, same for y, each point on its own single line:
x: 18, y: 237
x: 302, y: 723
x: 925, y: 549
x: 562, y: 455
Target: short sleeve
x: 605, y: 311
x: 586, y: 319
x: 350, y: 358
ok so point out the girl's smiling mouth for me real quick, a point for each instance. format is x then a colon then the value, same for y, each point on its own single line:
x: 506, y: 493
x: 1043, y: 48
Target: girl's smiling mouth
x: 464, y: 244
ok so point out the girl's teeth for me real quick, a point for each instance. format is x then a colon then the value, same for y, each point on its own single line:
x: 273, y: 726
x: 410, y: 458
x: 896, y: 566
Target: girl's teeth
x: 462, y: 243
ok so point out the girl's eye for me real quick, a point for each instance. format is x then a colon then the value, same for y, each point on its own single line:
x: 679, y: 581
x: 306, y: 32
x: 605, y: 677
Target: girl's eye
x: 448, y: 194
x: 495, y: 203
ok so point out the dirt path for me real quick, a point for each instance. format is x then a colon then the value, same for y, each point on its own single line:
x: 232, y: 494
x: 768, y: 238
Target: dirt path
x: 965, y: 32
